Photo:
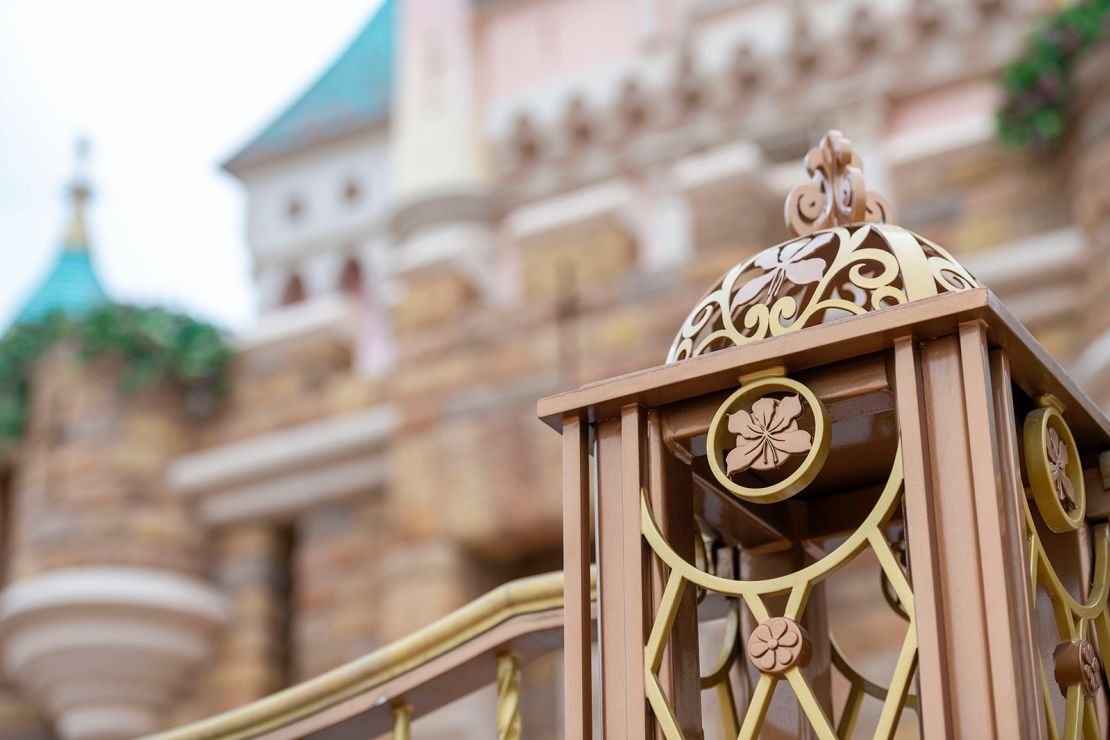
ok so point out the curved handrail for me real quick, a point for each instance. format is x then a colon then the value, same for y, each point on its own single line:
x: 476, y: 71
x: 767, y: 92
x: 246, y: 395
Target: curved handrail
x: 519, y: 599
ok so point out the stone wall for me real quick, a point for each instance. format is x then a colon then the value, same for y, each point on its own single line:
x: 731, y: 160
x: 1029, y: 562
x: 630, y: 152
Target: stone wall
x: 90, y: 485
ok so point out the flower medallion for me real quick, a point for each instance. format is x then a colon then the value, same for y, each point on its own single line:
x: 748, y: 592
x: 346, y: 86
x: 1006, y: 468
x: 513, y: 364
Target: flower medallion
x: 1077, y: 664
x: 777, y: 645
x: 1053, y: 467
x: 1057, y: 450
x: 792, y: 263
x: 767, y: 435
x: 757, y: 428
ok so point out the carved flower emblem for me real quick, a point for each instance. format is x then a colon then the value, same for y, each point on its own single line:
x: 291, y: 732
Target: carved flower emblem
x: 778, y: 645
x: 767, y: 435
x: 790, y: 262
x: 1057, y: 450
x: 1092, y: 674
x: 1077, y: 664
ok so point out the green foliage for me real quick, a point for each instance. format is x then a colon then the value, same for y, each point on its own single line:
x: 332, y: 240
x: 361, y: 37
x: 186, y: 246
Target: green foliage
x: 152, y: 345
x: 1038, y: 83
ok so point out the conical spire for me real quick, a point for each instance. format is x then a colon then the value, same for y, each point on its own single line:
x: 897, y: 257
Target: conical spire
x: 77, y: 237
x: 71, y: 287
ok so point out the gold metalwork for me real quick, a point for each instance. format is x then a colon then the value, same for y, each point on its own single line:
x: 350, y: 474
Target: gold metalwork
x: 718, y: 676
x: 889, y: 595
x: 516, y: 598
x: 796, y: 586
x: 402, y: 722
x: 508, y: 697
x: 721, y: 438
x: 837, y: 194
x: 1074, y: 621
x: 828, y: 275
x: 860, y: 687
x: 1054, y: 469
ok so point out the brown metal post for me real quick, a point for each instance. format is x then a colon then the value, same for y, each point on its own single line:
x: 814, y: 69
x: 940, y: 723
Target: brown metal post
x: 577, y: 677
x: 961, y: 532
x: 669, y: 485
x: 621, y: 575
x: 1015, y: 551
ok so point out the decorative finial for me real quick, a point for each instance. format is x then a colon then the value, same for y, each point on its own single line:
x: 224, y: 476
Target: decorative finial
x: 77, y: 238
x: 837, y: 195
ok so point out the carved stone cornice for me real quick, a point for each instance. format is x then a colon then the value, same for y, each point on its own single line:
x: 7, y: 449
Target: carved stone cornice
x: 752, y: 93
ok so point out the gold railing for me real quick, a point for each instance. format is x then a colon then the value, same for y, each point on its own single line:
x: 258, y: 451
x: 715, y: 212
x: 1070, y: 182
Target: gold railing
x: 487, y: 640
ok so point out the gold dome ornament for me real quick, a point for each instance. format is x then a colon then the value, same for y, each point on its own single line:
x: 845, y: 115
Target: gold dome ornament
x: 845, y: 259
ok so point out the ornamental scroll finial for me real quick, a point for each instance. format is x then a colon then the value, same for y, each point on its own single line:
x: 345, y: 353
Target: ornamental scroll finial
x: 837, y: 194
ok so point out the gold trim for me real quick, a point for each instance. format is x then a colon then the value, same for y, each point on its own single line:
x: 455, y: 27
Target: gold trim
x: 1044, y: 427
x: 516, y: 598
x: 508, y: 697
x: 402, y: 722
x: 1074, y: 621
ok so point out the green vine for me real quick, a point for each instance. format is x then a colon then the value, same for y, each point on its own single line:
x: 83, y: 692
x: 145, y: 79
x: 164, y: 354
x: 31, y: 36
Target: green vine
x: 152, y: 344
x: 1038, y: 83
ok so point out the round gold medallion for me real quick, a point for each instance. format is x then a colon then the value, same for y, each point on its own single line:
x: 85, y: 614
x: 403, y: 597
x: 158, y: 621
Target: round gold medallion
x: 757, y: 429
x: 1053, y: 466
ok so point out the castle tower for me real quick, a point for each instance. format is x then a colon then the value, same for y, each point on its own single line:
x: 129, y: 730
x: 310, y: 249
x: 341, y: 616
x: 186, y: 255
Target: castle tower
x: 72, y: 286
x: 443, y: 206
x: 106, y: 610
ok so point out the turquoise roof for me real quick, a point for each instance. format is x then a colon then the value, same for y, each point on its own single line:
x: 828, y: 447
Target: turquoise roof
x: 71, y: 287
x: 355, y: 91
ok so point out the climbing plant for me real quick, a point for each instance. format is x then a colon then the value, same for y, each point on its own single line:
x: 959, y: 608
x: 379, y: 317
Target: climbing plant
x: 1038, y: 83
x: 152, y: 344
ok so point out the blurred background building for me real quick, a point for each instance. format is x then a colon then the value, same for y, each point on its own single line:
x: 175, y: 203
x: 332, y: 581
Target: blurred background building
x: 479, y: 203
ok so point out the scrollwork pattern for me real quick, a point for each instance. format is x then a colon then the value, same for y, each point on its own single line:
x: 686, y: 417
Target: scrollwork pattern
x: 837, y: 194
x: 843, y: 271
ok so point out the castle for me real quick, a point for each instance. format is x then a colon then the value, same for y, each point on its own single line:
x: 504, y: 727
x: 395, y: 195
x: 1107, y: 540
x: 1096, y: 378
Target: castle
x: 478, y: 204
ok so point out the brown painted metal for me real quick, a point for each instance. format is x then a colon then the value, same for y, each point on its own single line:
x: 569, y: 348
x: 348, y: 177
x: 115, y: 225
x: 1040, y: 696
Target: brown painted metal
x: 1014, y: 551
x: 670, y: 484
x: 835, y: 342
x: 577, y: 672
x: 621, y: 613
x: 939, y: 371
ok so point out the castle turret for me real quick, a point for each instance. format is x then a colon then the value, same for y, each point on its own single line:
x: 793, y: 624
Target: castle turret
x: 106, y: 611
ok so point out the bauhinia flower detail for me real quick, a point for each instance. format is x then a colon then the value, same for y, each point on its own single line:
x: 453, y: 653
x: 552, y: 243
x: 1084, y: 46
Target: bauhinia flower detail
x: 1077, y: 664
x: 1057, y: 451
x: 791, y: 262
x: 767, y: 435
x: 778, y: 645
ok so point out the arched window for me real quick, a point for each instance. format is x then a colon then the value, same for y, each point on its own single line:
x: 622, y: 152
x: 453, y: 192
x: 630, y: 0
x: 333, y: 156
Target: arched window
x: 294, y: 291
x: 294, y: 208
x: 352, y: 191
x: 350, y: 280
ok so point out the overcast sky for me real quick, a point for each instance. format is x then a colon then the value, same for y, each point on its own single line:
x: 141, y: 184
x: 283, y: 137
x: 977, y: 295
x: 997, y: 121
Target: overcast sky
x: 165, y: 90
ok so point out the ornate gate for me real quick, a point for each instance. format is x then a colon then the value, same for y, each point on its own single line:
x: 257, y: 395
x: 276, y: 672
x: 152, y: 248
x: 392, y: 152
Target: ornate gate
x: 850, y: 398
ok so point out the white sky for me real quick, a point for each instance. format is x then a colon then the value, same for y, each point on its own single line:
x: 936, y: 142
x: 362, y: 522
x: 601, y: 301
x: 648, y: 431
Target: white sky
x: 165, y: 90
